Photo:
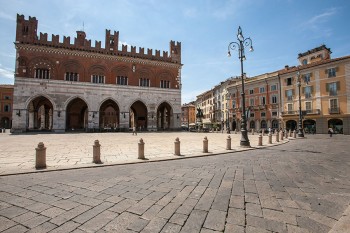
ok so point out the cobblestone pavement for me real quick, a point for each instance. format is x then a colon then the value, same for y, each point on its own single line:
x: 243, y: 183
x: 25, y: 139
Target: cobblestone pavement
x: 64, y: 151
x: 300, y: 186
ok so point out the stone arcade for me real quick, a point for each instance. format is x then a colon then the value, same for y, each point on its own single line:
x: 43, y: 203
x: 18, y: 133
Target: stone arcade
x: 61, y: 86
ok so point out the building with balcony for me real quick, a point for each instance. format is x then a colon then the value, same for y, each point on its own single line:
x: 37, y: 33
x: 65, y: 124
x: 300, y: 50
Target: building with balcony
x: 324, y: 92
x: 262, y: 102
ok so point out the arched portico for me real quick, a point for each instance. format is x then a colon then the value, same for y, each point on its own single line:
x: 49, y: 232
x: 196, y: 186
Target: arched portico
x: 164, y: 116
x: 291, y: 125
x: 40, y: 111
x: 109, y: 114
x: 138, y: 115
x: 77, y: 115
x: 336, y: 125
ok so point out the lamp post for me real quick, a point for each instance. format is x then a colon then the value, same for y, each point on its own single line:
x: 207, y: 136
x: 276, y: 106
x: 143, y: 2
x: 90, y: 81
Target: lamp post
x: 300, y: 125
x: 240, y: 45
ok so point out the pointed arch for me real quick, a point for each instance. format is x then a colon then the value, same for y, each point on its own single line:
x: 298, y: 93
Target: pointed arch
x: 76, y: 114
x: 138, y: 115
x: 109, y: 114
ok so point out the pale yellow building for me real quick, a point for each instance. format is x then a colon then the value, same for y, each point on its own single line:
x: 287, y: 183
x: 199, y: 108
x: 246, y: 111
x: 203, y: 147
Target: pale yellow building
x: 324, y: 92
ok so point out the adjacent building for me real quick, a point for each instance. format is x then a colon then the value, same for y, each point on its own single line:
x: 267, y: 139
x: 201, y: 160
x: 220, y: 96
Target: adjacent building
x: 6, y: 102
x: 272, y: 99
x: 64, y: 86
x: 324, y: 92
x: 188, y: 115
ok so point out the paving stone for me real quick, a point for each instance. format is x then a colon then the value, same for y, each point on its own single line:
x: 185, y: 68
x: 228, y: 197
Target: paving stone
x: 6, y: 223
x: 251, y: 229
x: 43, y: 228
x: 44, y: 198
x: 215, y: 220
x: 168, y: 210
x: 65, y: 204
x: 25, y: 217
x: 206, y: 200
x: 155, y: 225
x: 237, y: 202
x: 115, y: 199
x: 187, y: 206
x: 123, y: 205
x: 16, y: 229
x: 280, y: 216
x: 152, y: 212
x: 204, y: 230
x: 236, y: 216
x: 68, y: 215
x: 197, y: 192
x: 66, y: 227
x: 156, y: 196
x: 38, y: 207
x: 36, y: 221
x: 142, y: 206
x: 138, y: 225
x: 231, y: 228
x: 194, y: 221
x: 52, y: 212
x: 312, y: 225
x: 121, y: 223
x: 253, y: 209
x: 178, y: 219
x: 12, y: 211
x: 85, y: 200
x: 91, y: 213
x: 171, y: 228
x: 98, y: 222
x: 296, y: 229
x: 252, y: 198
x: 256, y: 222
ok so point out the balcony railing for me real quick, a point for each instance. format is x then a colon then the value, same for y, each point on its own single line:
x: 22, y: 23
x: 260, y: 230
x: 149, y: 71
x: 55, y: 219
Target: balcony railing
x: 334, y: 110
x: 304, y: 112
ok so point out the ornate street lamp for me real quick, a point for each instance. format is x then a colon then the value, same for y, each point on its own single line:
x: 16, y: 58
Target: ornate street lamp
x: 300, y: 125
x: 240, y: 45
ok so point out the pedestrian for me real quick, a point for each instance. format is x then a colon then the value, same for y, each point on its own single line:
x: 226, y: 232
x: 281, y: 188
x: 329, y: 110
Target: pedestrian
x: 134, y: 131
x: 330, y: 131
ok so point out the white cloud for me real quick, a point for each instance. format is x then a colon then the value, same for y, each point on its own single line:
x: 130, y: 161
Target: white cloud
x: 3, y: 15
x: 6, y: 73
x: 317, y: 22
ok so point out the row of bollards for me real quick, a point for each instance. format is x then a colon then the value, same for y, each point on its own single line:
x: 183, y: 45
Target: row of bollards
x: 40, y: 162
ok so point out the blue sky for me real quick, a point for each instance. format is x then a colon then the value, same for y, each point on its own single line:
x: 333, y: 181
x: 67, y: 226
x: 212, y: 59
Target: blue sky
x: 280, y: 29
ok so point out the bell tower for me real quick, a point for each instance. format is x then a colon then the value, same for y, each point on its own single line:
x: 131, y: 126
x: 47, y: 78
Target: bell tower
x: 26, y: 31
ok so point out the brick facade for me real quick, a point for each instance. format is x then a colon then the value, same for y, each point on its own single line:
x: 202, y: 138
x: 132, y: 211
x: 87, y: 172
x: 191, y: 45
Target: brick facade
x: 61, y: 86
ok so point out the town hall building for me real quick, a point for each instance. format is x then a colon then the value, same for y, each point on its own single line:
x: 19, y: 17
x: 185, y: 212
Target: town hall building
x: 74, y: 86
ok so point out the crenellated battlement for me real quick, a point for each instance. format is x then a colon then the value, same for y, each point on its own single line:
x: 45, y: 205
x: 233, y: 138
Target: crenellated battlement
x: 26, y: 33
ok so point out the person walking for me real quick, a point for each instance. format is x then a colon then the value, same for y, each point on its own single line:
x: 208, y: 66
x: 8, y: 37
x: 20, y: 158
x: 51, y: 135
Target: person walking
x: 330, y: 131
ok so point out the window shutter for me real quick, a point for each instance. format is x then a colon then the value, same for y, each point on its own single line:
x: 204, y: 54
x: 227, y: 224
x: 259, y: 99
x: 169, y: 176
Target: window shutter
x: 303, y: 90
x: 293, y: 92
x: 285, y: 93
x: 326, y: 71
x: 336, y: 69
x: 310, y: 75
x: 311, y: 89
x: 327, y: 87
x: 338, y: 86
x: 286, y: 80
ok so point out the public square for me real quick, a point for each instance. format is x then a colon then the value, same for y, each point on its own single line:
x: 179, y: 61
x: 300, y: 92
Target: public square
x: 300, y: 185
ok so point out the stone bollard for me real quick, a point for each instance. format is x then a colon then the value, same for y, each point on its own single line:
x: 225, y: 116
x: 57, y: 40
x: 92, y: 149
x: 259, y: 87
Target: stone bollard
x: 282, y: 135
x: 205, y: 145
x: 141, y: 149
x: 290, y: 133
x: 40, y: 158
x: 270, y: 138
x: 294, y: 134
x: 96, y: 152
x: 177, y: 146
x: 228, y: 143
x: 277, y: 137
x: 263, y: 133
x: 260, y: 140
x: 235, y: 131
x: 252, y: 131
